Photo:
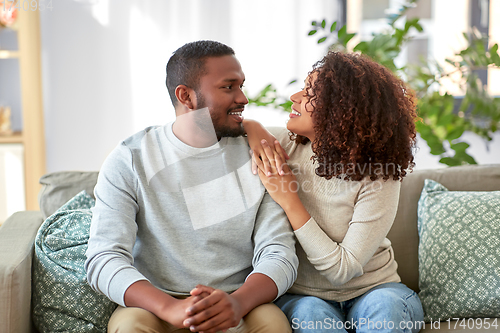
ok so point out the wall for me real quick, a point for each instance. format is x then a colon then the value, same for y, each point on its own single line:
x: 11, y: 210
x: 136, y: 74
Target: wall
x: 104, y: 65
x: 11, y: 180
x: 104, y: 62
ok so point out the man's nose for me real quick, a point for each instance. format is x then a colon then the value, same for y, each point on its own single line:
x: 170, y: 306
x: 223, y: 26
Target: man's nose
x: 241, y: 98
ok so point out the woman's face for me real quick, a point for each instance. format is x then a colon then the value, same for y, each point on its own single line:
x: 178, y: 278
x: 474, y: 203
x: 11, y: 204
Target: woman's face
x: 301, y: 121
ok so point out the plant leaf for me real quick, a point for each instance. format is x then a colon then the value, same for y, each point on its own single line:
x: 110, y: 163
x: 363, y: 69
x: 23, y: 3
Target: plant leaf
x: 342, y: 32
x: 321, y: 40
x: 455, y: 133
x: 460, y: 146
x: 333, y: 27
x: 494, y: 55
x: 450, y: 161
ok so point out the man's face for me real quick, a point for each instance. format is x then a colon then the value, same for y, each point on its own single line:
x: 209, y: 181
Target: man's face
x: 220, y: 91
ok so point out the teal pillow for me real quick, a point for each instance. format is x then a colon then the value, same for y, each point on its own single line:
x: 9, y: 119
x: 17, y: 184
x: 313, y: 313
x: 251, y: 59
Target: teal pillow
x: 62, y: 299
x: 458, y: 253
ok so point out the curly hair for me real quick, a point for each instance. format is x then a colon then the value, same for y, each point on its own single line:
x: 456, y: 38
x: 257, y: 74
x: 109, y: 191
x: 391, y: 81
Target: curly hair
x: 363, y: 117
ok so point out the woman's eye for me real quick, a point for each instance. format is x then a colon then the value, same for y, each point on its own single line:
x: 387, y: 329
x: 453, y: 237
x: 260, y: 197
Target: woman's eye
x: 230, y: 87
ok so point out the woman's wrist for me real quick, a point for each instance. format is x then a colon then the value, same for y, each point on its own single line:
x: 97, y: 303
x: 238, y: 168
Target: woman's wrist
x: 296, y: 212
x: 248, y: 123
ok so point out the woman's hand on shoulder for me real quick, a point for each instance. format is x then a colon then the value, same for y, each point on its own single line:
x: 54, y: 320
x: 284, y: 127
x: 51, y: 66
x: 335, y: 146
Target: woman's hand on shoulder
x: 268, y: 159
x: 263, y: 154
x: 282, y: 188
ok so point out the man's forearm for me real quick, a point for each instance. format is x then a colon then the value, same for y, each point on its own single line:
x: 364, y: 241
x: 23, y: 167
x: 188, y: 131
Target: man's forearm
x: 143, y: 294
x: 258, y: 289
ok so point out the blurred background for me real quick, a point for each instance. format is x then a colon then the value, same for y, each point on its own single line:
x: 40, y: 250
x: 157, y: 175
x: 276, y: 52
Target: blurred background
x: 103, y: 63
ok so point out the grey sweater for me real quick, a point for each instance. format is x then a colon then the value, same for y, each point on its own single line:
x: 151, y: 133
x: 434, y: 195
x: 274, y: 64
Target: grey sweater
x: 179, y: 216
x: 343, y: 249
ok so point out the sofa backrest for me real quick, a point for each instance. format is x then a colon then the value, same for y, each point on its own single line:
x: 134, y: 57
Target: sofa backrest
x: 404, y: 233
x: 59, y: 187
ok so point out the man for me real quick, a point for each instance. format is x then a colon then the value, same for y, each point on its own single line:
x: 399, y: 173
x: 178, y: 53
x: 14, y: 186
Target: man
x: 183, y: 235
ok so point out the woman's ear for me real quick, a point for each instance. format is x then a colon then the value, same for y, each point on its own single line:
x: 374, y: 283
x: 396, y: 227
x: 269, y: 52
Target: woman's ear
x: 185, y: 96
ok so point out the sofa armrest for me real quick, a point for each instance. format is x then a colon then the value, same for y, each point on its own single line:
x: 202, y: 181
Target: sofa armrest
x: 17, y: 238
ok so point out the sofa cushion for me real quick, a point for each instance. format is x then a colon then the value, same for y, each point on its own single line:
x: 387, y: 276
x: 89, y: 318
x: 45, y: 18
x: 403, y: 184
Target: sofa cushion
x: 459, y: 252
x: 59, y: 187
x: 404, y: 233
x: 62, y: 299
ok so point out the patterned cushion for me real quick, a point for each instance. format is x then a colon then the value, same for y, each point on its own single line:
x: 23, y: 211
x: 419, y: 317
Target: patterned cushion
x: 62, y: 299
x: 459, y: 252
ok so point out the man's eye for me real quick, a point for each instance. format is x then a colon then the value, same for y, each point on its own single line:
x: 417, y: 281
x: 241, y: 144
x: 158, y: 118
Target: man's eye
x: 242, y: 86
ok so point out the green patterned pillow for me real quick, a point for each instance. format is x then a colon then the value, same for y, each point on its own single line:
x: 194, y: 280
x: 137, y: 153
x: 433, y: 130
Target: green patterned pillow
x: 62, y: 299
x: 458, y: 253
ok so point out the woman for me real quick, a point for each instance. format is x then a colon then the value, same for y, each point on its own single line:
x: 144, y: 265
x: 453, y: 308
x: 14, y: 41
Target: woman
x: 351, y: 144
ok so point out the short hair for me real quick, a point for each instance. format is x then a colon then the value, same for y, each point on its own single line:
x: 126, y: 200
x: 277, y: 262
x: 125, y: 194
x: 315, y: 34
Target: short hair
x: 187, y: 64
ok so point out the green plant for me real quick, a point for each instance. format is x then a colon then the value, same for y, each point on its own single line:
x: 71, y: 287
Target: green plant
x: 269, y: 97
x: 440, y: 125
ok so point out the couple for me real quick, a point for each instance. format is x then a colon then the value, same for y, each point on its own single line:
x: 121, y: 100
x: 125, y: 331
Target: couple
x: 185, y: 238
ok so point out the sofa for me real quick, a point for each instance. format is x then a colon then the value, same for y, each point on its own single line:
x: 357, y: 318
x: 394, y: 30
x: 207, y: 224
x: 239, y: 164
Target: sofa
x: 17, y: 236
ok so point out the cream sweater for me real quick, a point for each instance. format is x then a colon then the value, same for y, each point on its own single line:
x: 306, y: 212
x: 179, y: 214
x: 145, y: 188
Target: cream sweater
x: 343, y: 250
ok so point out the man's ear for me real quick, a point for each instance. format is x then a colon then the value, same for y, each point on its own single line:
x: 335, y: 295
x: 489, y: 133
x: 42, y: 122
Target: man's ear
x: 185, y: 96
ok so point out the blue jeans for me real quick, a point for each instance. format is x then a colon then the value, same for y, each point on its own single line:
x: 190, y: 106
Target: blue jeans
x: 389, y: 307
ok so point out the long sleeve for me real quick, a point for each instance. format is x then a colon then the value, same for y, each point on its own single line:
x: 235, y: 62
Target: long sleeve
x: 163, y: 207
x: 374, y: 212
x: 113, y: 231
x: 274, y: 252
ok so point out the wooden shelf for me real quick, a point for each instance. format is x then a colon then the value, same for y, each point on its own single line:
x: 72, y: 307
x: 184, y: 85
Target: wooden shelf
x: 32, y: 137
x: 6, y: 54
x: 16, y: 137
